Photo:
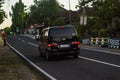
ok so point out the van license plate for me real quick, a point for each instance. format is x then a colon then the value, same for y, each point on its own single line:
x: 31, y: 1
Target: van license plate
x: 64, y: 46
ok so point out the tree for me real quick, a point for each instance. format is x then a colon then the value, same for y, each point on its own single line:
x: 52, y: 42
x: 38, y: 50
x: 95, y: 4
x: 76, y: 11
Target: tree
x: 2, y: 12
x: 44, y: 11
x: 18, y: 16
x: 83, y: 4
x: 106, y: 13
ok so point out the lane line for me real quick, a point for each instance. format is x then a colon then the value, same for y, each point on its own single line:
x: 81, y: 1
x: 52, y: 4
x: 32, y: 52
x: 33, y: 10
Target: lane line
x: 106, y: 63
x: 23, y: 41
x: 31, y: 63
x: 19, y: 39
x: 115, y: 53
x: 93, y: 60
x: 33, y: 44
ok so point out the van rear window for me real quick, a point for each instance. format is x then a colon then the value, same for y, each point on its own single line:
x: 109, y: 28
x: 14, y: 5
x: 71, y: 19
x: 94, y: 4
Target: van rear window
x: 60, y: 32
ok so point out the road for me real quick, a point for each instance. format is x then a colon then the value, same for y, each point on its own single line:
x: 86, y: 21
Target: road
x: 91, y: 65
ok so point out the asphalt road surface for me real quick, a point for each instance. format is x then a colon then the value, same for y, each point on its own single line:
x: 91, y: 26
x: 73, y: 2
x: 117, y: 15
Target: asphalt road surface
x: 91, y: 65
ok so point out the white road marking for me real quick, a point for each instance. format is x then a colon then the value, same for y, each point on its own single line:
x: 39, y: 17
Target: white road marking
x: 110, y: 64
x: 23, y: 41
x: 32, y: 44
x: 106, y: 63
x: 31, y: 63
x: 115, y: 53
x: 18, y: 38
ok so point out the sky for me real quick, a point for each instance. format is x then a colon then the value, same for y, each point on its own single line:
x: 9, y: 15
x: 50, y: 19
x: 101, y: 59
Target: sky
x: 8, y: 3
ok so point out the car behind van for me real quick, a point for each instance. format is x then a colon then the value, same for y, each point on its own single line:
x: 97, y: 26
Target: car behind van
x: 59, y: 40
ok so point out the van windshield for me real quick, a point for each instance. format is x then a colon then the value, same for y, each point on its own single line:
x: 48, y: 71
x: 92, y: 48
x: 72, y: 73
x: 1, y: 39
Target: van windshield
x: 62, y: 32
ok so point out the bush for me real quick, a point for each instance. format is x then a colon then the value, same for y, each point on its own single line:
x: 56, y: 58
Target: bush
x: 59, y: 21
x: 7, y: 30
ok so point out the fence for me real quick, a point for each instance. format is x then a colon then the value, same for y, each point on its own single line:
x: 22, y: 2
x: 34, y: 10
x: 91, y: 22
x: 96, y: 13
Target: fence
x: 102, y: 42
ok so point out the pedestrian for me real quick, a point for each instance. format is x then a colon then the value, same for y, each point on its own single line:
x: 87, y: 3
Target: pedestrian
x: 3, y: 35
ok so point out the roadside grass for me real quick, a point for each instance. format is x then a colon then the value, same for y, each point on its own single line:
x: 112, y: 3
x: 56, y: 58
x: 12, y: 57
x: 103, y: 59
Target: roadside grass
x: 12, y: 67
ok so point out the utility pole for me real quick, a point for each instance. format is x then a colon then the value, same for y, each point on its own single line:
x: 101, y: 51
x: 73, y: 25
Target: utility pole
x: 69, y: 12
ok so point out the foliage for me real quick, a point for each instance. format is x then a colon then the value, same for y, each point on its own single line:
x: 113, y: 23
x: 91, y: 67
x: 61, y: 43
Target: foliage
x: 44, y: 11
x: 83, y: 4
x: 7, y: 30
x: 18, y: 16
x: 59, y: 21
x: 106, y: 13
x: 2, y: 12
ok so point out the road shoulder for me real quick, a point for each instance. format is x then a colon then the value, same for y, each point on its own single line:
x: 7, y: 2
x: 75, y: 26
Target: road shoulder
x: 12, y: 67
